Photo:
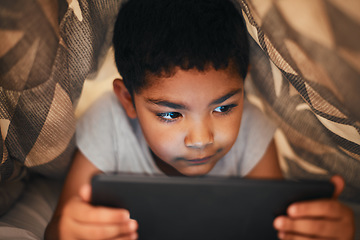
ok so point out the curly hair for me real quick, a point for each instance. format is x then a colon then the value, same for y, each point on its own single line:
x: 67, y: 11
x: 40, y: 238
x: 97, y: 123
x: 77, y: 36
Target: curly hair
x: 158, y: 36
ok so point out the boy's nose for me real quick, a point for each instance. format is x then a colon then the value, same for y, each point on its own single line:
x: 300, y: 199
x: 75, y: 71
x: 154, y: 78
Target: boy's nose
x: 199, y: 136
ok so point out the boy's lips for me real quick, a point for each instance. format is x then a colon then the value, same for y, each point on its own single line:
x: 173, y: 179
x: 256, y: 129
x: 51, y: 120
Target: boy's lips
x: 196, y: 161
x: 199, y: 160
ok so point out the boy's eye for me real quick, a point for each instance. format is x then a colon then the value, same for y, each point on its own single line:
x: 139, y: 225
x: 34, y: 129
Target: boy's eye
x: 168, y: 116
x: 224, y: 109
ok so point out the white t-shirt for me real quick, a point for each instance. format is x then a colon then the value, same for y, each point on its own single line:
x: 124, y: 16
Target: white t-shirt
x: 114, y: 142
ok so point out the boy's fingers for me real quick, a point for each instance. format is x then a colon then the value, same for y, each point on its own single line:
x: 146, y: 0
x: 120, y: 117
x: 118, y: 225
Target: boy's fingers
x: 112, y: 231
x: 308, y: 227
x: 104, y: 215
x: 339, y: 185
x: 133, y: 236
x: 327, y: 208
x: 84, y: 212
x: 292, y: 236
x: 85, y: 193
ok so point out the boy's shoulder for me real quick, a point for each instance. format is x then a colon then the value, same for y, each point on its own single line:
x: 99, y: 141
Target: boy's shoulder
x: 252, y: 111
x: 105, y: 114
x: 103, y: 105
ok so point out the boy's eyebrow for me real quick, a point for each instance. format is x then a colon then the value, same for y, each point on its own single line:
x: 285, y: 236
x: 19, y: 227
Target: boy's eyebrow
x: 179, y: 106
x: 226, y: 96
x: 168, y: 104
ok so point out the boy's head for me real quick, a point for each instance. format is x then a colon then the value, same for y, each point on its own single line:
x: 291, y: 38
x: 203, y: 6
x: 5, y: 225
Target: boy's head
x: 154, y: 37
x: 183, y: 63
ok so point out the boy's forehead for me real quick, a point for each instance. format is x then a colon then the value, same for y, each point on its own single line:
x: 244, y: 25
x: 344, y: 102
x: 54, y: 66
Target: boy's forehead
x: 153, y: 80
x: 185, y: 84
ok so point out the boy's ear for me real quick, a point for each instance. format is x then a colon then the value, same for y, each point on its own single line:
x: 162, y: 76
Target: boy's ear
x: 124, y: 97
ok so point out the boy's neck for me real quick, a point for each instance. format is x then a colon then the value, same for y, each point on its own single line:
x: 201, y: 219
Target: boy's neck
x: 164, y: 167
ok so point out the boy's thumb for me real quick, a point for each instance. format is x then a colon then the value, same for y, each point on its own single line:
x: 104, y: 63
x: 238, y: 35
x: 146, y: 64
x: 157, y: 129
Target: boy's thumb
x: 85, y: 193
x: 339, y: 184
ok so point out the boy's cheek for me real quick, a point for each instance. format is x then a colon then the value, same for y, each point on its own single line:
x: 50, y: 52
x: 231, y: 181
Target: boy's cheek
x: 227, y: 133
x: 164, y: 145
x: 164, y: 151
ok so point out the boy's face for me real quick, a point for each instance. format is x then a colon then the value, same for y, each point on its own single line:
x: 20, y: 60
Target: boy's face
x: 191, y: 119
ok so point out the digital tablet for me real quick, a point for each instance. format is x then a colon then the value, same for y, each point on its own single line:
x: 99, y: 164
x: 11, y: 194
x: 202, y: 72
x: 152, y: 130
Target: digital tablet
x: 203, y: 208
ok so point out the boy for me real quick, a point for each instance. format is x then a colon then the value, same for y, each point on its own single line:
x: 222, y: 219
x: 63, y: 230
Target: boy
x: 177, y: 111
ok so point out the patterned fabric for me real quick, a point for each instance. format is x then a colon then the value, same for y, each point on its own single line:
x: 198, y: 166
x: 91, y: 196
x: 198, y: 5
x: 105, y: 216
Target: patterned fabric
x: 47, y: 50
x: 305, y: 74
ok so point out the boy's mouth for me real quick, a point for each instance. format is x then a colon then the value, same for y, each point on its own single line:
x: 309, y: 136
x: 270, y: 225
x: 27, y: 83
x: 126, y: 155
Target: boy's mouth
x: 198, y: 161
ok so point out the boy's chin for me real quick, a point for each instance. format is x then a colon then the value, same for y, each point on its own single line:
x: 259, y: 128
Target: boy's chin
x: 195, y: 171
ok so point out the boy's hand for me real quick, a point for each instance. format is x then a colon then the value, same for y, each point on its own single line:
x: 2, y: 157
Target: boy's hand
x: 318, y: 219
x: 81, y: 220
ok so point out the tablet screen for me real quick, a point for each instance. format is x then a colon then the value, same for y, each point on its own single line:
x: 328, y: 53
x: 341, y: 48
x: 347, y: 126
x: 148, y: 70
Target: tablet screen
x: 171, y: 208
